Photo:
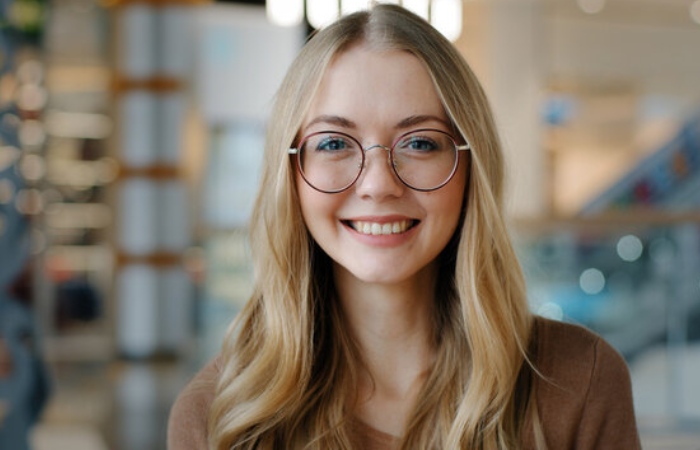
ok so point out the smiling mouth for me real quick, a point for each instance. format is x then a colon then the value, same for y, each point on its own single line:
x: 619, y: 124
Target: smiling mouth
x: 376, y: 229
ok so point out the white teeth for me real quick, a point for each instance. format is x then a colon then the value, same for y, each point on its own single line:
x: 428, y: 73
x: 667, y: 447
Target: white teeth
x: 376, y: 229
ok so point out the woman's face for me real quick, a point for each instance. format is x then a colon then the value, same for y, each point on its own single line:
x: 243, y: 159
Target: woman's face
x: 379, y: 230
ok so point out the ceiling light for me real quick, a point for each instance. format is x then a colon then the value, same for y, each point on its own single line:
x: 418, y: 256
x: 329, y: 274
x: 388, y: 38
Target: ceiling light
x: 351, y: 6
x: 446, y: 17
x: 321, y: 12
x: 420, y: 7
x: 285, y: 13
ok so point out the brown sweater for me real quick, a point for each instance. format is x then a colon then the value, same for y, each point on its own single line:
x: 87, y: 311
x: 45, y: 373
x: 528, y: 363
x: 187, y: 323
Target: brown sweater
x: 584, y: 403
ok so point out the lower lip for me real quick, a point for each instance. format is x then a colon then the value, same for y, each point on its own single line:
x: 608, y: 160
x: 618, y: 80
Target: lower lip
x: 383, y: 240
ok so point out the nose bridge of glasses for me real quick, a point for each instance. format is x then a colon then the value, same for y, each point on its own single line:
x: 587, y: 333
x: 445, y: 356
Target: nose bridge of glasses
x: 378, y: 177
x: 366, y: 149
x: 380, y: 146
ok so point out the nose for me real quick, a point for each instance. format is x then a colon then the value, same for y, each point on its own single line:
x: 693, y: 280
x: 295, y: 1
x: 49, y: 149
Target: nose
x: 378, y: 179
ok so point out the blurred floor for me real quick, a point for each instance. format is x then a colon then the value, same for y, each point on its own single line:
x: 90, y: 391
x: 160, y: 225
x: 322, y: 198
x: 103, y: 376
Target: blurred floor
x: 110, y: 406
x: 124, y: 406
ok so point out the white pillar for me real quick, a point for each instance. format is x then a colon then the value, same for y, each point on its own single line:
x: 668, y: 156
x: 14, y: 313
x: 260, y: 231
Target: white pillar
x: 509, y: 58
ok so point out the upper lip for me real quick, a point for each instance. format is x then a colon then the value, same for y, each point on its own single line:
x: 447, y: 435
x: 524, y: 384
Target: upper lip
x: 378, y: 219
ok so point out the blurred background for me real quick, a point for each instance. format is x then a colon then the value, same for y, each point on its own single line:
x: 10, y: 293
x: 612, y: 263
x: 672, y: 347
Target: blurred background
x: 130, y: 141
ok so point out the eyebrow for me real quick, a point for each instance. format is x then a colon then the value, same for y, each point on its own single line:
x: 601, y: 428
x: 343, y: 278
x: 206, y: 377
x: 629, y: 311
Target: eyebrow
x: 408, y: 122
x: 412, y: 121
x: 333, y: 120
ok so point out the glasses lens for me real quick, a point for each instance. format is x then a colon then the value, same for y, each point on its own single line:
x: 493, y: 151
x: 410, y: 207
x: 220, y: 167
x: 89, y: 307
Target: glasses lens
x: 425, y: 159
x: 330, y: 162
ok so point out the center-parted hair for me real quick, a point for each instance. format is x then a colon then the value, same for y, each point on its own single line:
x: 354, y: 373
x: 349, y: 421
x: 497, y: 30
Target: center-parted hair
x: 289, y: 365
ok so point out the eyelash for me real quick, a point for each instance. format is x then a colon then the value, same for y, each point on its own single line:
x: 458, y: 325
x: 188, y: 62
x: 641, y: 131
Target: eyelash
x: 336, y: 140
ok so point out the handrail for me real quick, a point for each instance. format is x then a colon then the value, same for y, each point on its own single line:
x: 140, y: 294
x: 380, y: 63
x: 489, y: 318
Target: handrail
x: 634, y: 218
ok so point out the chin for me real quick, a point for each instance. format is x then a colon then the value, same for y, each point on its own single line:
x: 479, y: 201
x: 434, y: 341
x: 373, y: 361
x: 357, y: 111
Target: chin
x: 383, y: 274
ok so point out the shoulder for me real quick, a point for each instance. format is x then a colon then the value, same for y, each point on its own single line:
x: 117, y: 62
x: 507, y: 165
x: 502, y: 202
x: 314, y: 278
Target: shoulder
x: 571, y: 359
x: 187, y: 423
x: 583, y: 388
x: 554, y: 338
x: 571, y: 355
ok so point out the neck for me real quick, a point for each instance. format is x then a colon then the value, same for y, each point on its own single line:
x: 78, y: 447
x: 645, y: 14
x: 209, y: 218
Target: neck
x: 397, y: 315
x: 392, y: 325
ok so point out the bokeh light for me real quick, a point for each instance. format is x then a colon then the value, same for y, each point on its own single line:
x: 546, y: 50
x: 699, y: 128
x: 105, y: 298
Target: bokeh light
x: 31, y: 97
x: 592, y: 281
x: 30, y: 201
x: 32, y: 134
x: 551, y: 310
x: 32, y: 167
x: 630, y: 248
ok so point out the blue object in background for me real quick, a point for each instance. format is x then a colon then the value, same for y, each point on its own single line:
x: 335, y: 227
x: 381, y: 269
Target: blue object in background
x: 24, y: 392
x: 24, y: 384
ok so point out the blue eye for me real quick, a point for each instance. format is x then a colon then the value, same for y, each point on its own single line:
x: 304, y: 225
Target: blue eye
x: 418, y: 143
x: 331, y: 144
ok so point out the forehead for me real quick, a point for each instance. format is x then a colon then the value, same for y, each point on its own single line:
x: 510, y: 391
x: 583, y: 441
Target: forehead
x: 369, y: 86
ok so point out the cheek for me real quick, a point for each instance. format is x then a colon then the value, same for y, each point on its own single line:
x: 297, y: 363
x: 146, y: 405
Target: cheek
x: 449, y: 205
x: 317, y: 209
x: 307, y: 196
x: 456, y: 189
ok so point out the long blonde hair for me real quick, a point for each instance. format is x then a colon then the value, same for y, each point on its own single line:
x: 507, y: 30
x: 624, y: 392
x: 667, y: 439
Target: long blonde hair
x: 289, y: 366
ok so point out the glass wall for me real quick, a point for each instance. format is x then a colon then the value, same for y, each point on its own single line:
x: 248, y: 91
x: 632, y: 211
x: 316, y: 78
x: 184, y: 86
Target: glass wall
x: 634, y: 279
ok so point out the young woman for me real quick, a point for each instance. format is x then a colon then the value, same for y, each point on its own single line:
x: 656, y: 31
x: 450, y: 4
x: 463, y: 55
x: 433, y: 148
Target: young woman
x: 389, y: 309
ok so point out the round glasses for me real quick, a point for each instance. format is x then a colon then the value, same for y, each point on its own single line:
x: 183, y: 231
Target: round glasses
x: 424, y: 160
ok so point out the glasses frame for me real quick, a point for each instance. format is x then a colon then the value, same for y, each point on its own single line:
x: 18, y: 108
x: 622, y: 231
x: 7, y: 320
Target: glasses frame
x: 458, y: 148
